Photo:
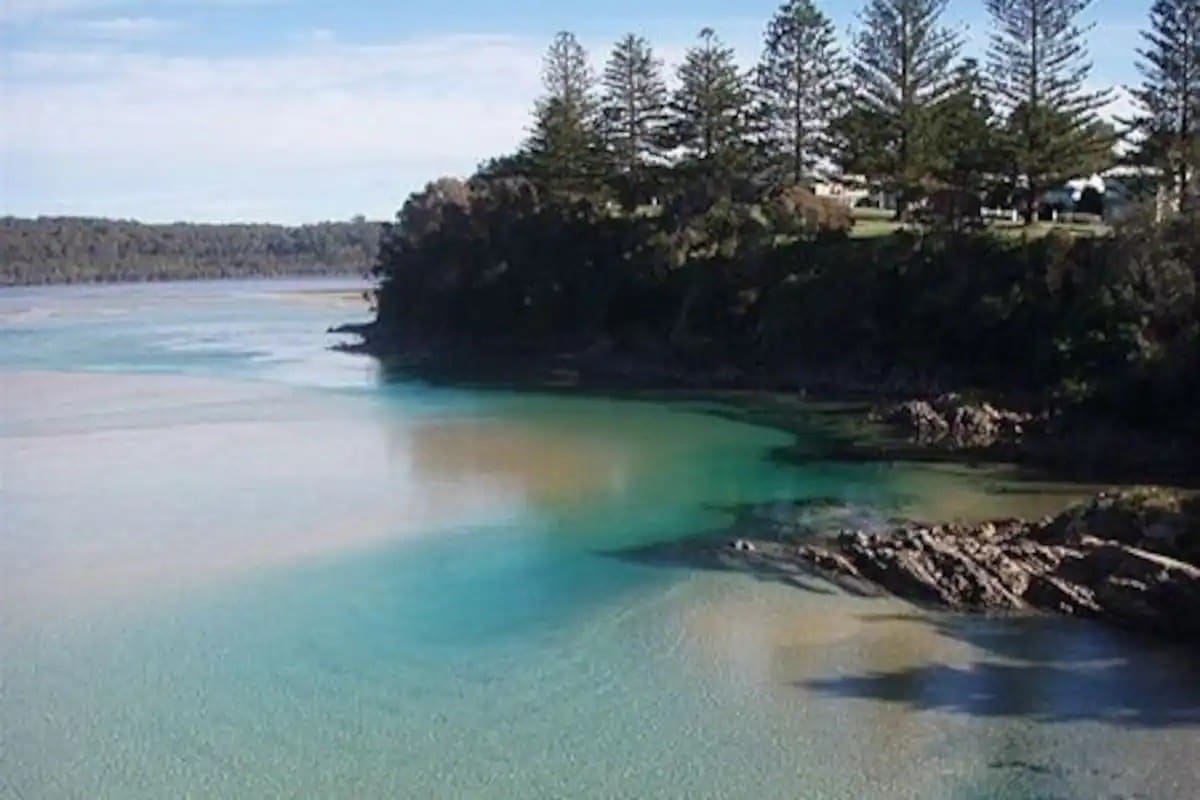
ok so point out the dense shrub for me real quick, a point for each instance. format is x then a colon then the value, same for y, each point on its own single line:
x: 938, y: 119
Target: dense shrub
x: 492, y: 264
x: 955, y: 208
x: 796, y: 210
x: 1109, y: 321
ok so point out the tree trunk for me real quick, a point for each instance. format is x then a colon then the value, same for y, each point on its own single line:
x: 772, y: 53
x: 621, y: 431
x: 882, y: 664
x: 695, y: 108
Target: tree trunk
x: 1185, y: 200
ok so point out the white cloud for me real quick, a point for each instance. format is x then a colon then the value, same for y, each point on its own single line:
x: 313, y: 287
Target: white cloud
x: 432, y: 97
x: 24, y: 11
x: 321, y: 129
x: 144, y: 120
x: 126, y: 28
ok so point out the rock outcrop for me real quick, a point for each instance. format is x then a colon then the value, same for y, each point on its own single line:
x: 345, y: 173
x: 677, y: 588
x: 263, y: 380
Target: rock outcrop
x: 1118, y: 559
x: 1068, y: 442
x: 1162, y: 522
x: 951, y: 422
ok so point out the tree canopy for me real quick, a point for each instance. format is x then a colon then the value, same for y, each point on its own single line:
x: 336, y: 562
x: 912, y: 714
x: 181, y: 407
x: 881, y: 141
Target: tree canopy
x: 800, y: 83
x: 1039, y: 67
x: 564, y: 147
x: 903, y: 70
x: 726, y: 258
x: 635, y: 105
x: 712, y: 108
x: 1168, y: 98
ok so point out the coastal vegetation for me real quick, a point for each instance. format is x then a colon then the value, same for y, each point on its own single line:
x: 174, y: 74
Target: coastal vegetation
x: 684, y: 227
x: 692, y: 235
x: 83, y: 250
x: 774, y: 432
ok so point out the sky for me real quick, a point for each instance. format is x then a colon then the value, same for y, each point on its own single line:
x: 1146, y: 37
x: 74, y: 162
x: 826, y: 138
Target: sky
x: 305, y: 110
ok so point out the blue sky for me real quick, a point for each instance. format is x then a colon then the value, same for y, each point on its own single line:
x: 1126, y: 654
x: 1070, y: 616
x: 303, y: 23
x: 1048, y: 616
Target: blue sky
x: 303, y: 110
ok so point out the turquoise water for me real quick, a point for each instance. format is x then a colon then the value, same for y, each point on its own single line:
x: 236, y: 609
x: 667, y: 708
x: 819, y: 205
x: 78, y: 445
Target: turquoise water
x: 233, y: 564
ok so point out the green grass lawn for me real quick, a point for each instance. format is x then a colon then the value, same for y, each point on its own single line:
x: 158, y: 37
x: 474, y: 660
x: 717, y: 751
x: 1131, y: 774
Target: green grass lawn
x: 1039, y: 229
x: 871, y: 228
x: 870, y: 223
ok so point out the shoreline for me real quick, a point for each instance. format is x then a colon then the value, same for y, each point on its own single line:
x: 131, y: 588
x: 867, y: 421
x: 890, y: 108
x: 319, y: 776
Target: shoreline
x: 330, y: 274
x: 1129, y: 559
x: 980, y: 426
x: 1078, y: 563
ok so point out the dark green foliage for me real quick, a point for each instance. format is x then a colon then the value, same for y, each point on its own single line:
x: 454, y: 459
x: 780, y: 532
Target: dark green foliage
x: 1090, y: 202
x: 564, y: 151
x: 727, y: 268
x: 969, y: 151
x: 635, y: 106
x: 1038, y: 61
x: 73, y: 249
x: 903, y: 70
x: 1169, y: 97
x: 1146, y: 308
x: 498, y: 264
x: 800, y: 86
x: 711, y: 110
x: 956, y: 209
x: 1111, y: 323
x: 512, y: 165
x: 858, y: 135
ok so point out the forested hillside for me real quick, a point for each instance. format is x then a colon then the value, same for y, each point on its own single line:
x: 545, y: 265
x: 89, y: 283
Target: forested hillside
x: 76, y: 250
x: 682, y: 223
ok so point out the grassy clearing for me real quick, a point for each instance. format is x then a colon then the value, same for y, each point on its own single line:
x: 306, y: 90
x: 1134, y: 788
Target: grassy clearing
x: 872, y: 228
x: 1037, y: 230
x: 870, y: 223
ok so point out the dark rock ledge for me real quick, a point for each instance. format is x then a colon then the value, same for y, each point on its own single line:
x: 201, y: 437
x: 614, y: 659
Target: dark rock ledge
x: 1129, y: 559
x: 1066, y: 443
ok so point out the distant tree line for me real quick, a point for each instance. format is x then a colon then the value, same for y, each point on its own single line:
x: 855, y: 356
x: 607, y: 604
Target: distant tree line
x: 79, y: 250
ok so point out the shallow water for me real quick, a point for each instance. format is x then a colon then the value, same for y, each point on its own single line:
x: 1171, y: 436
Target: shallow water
x: 234, y: 565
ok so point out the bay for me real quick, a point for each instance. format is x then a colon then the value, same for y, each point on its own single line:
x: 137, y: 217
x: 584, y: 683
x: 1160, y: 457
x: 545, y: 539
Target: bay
x: 235, y: 563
